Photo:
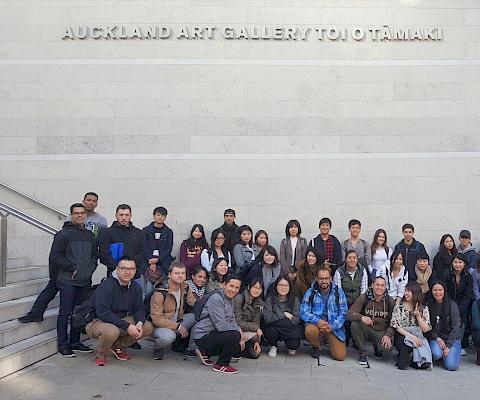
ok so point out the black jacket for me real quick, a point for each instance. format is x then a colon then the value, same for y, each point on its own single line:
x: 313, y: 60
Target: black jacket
x: 319, y: 245
x: 442, y: 262
x: 409, y: 254
x: 461, y: 294
x: 230, y: 235
x: 133, y: 240
x: 73, y: 249
x: 446, y: 326
x: 114, y: 302
x: 163, y: 245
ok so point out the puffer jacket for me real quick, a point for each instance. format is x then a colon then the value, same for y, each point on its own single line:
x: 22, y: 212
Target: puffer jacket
x: 248, y: 311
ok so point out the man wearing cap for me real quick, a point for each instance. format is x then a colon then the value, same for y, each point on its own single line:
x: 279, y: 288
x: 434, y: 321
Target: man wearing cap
x: 468, y: 250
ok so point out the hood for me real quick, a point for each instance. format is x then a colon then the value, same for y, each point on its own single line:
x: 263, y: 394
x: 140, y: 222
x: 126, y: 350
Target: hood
x: 468, y: 249
x: 115, y: 276
x: 71, y: 225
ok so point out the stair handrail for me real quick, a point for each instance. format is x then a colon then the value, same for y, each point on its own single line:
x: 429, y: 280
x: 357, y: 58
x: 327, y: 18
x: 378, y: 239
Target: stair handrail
x: 60, y: 214
x: 5, y: 211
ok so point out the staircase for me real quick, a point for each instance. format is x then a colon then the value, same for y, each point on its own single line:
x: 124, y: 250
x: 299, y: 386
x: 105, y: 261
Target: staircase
x: 24, y: 344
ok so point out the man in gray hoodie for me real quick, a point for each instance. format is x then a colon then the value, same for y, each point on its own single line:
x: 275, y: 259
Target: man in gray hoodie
x: 217, y: 332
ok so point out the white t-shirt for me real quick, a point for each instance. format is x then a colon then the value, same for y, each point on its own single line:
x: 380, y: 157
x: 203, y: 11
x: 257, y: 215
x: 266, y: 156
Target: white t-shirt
x: 293, y: 242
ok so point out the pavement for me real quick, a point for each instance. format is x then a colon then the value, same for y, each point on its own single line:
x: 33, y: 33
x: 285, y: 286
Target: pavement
x: 285, y: 377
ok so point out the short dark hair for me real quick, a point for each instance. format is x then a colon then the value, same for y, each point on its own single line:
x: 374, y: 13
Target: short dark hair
x: 176, y: 264
x: 76, y: 205
x: 123, y: 207
x: 325, y: 220
x: 231, y: 277
x: 229, y: 211
x: 408, y: 226
x: 323, y: 267
x: 126, y: 257
x: 423, y: 256
x: 238, y: 235
x: 354, y: 222
x: 290, y: 224
x: 160, y: 210
x: 90, y: 194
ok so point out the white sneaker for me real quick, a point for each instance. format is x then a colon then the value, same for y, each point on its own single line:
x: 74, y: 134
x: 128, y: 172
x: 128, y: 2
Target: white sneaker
x: 273, y: 351
x: 292, y: 352
x: 463, y: 352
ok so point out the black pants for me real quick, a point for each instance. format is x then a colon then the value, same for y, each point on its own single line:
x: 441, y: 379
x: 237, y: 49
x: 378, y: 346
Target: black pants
x: 44, y: 298
x: 286, y: 331
x: 404, y: 352
x: 249, y: 352
x: 225, y: 344
x: 70, y: 296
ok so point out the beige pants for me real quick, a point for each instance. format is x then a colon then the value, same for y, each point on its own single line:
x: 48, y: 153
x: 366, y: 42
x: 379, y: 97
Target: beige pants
x: 110, y: 335
x: 338, y: 350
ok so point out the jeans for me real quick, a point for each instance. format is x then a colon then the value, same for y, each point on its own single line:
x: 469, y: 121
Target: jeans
x: 450, y: 362
x: 164, y: 337
x: 45, y: 297
x: 70, y: 296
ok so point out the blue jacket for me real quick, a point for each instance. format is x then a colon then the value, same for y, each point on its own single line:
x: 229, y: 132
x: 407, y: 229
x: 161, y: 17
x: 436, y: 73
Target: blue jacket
x: 311, y: 311
x: 163, y: 245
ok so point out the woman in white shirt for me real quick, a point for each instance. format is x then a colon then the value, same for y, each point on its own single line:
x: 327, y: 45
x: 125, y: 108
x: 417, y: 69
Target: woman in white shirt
x: 217, y: 250
x: 381, y: 253
x: 396, y: 276
x: 292, y: 249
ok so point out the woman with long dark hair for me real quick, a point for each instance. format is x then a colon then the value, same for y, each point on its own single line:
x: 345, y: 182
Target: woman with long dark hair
x: 458, y: 283
x: 446, y: 252
x: 307, y: 271
x: 216, y: 250
x: 381, y: 253
x: 282, y: 317
x: 411, y: 320
x: 396, y: 276
x: 217, y: 275
x: 260, y: 241
x: 191, y: 248
x: 292, y: 248
x: 242, y: 251
x: 444, y: 337
x: 267, y: 268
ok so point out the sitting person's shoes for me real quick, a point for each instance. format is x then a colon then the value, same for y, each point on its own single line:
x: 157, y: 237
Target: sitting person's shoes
x: 203, y: 357
x: 120, y: 354
x: 190, y: 353
x: 316, y: 352
x: 30, y: 317
x: 135, y: 346
x: 100, y: 359
x: 224, y: 369
x: 81, y: 348
x: 158, y: 354
x: 363, y: 360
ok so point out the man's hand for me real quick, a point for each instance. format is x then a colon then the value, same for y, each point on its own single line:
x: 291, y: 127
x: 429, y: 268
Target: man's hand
x: 367, y: 320
x: 242, y: 345
x: 133, y: 332
x: 182, y: 331
x: 259, y: 333
x: 139, y: 327
x: 256, y: 347
x: 288, y: 315
x: 386, y: 342
x: 441, y: 343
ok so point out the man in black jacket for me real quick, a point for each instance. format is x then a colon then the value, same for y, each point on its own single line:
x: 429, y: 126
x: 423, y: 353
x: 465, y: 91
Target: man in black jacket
x: 120, y: 313
x: 410, y: 248
x: 123, y: 238
x: 74, y: 253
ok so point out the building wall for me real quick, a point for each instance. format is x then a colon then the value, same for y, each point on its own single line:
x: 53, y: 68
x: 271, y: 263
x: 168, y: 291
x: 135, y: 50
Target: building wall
x: 387, y: 132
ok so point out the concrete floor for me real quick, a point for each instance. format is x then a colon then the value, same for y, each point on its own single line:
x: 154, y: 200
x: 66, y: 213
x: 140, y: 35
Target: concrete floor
x: 282, y: 378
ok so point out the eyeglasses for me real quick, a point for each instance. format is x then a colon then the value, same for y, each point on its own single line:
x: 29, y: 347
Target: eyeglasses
x: 126, y: 269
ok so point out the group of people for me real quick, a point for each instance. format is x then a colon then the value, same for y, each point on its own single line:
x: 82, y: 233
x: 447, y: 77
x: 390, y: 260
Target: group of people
x: 238, y: 294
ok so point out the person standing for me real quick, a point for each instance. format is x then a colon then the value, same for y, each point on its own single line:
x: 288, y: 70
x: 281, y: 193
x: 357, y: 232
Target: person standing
x: 360, y: 246
x: 229, y: 228
x: 380, y: 252
x: 327, y: 246
x: 446, y: 252
x: 293, y: 248
x: 409, y: 247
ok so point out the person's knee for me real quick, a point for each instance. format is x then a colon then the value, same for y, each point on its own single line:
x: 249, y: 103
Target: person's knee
x: 164, y: 337
x: 147, y: 329
x: 311, y: 331
x: 450, y: 365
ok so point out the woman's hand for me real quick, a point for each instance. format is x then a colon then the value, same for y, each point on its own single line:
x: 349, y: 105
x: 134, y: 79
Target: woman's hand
x: 416, y: 341
x: 288, y: 315
x: 259, y: 332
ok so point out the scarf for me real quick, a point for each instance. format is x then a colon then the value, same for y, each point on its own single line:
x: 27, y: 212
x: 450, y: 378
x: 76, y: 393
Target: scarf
x: 423, y: 277
x: 197, y: 291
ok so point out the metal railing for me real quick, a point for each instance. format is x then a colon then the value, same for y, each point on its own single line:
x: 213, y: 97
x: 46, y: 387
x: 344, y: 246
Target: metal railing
x: 61, y: 215
x: 5, y: 211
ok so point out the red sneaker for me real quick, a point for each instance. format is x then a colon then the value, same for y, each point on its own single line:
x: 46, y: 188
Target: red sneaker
x: 100, y: 359
x: 203, y: 357
x: 224, y: 369
x: 120, y: 354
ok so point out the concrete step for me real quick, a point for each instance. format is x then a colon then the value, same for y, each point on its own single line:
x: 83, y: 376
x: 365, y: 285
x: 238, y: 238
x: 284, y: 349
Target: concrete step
x: 22, y: 289
x: 27, y: 352
x: 14, y: 309
x: 26, y: 273
x: 13, y: 331
x: 17, y: 262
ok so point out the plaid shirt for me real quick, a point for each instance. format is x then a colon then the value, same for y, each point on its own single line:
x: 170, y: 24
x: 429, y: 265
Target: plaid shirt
x: 328, y: 249
x: 311, y: 312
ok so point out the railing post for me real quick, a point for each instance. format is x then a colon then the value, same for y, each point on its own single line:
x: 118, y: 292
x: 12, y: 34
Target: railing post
x: 3, y: 250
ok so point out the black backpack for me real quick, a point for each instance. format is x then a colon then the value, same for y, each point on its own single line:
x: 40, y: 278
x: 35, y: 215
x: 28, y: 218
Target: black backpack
x: 85, y: 313
x: 200, y: 303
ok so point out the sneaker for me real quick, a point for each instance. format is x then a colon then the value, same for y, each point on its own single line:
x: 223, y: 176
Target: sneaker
x: 66, y: 352
x: 158, y: 354
x: 120, y: 354
x: 203, y: 357
x: 463, y: 353
x: 135, y: 346
x: 224, y: 369
x: 273, y: 351
x: 100, y: 359
x: 29, y: 317
x: 292, y: 352
x: 426, y: 365
x: 81, y: 348
x: 189, y: 353
x: 235, y: 359
x: 363, y: 360
x: 316, y: 352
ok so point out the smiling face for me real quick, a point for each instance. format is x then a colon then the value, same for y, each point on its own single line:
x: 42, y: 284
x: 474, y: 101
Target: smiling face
x: 222, y: 268
x: 268, y: 258
x: 379, y: 285
x: 311, y: 258
x: 325, y: 228
x: 458, y: 265
x: 324, y: 279
x: 381, y: 239
x: 78, y: 215
x: 408, y: 295
x: 438, y: 293
x: 355, y: 231
x: 232, y: 287
x: 283, y: 287
x: 408, y: 235
x: 256, y: 290
x: 398, y: 262
x: 200, y: 278
x: 197, y: 234
x: 352, y: 261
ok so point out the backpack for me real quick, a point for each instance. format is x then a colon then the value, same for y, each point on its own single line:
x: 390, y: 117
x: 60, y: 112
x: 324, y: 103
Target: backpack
x: 85, y: 313
x: 200, y: 304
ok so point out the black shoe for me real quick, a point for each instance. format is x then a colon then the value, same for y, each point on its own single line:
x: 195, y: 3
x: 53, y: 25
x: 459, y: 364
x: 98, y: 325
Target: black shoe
x: 158, y: 354
x: 426, y: 365
x: 29, y: 317
x: 363, y: 360
x: 190, y: 353
x: 135, y: 346
x: 80, y: 348
x: 316, y: 352
x: 67, y: 352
